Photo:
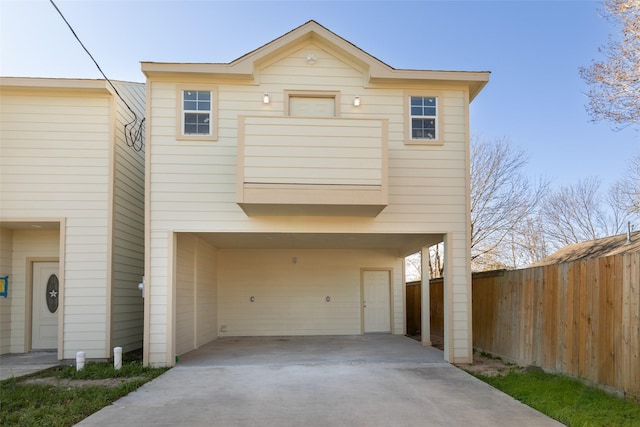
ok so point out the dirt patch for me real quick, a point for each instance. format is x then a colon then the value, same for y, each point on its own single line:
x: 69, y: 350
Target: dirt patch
x: 69, y: 383
x: 484, y: 364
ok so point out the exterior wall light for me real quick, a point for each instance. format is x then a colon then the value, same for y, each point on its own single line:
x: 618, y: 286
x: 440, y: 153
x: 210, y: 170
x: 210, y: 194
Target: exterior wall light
x: 356, y: 101
x: 265, y: 98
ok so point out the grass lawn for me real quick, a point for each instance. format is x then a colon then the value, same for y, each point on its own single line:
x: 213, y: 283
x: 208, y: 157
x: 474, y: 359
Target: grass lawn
x: 567, y: 400
x: 62, y: 396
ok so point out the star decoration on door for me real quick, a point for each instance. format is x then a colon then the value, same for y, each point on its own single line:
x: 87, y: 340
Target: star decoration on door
x: 51, y: 293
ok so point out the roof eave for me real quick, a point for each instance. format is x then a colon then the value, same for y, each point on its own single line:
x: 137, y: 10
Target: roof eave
x: 474, y: 80
x: 244, y: 67
x: 42, y: 83
x: 238, y: 71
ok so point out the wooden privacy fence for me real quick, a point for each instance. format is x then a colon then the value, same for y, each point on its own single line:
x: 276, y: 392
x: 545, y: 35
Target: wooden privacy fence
x: 580, y: 318
x: 414, y: 315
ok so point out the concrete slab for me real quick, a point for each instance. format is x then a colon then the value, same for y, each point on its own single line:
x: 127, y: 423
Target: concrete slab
x: 17, y: 365
x: 380, y: 348
x: 322, y: 381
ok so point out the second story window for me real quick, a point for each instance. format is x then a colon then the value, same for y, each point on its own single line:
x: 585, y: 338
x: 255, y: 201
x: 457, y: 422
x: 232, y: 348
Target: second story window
x: 197, y: 112
x: 423, y: 112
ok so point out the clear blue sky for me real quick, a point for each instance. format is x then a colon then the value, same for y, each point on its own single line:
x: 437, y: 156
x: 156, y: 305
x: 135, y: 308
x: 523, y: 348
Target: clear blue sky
x: 532, y: 48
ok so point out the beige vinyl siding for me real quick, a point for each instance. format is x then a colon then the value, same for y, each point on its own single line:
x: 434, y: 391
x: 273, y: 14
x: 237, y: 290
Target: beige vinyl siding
x: 192, y: 185
x: 330, y: 71
x: 206, y: 293
x: 458, y: 295
x: 55, y: 163
x: 290, y: 289
x: 196, y: 293
x: 34, y: 245
x: 295, y: 150
x: 6, y: 250
x: 185, y: 294
x: 184, y: 173
x: 127, y: 304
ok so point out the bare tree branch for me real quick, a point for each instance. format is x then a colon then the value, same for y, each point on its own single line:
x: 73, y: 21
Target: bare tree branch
x: 501, y: 197
x: 625, y: 193
x: 614, y: 82
x: 580, y: 212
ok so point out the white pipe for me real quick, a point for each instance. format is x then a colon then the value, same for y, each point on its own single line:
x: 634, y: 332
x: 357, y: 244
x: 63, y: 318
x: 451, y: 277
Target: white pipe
x: 80, y: 356
x: 117, y: 358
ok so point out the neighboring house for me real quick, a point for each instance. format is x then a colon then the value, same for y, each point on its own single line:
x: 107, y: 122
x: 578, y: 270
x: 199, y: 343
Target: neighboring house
x: 598, y: 248
x: 284, y: 189
x: 71, y: 217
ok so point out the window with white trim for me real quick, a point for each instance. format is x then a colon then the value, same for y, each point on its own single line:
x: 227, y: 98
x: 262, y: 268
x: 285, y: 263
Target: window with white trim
x: 197, y: 112
x: 423, y: 111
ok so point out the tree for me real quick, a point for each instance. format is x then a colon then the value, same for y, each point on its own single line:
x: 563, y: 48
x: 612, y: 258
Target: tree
x: 625, y: 193
x: 502, y: 198
x: 413, y: 263
x: 580, y: 212
x: 503, y: 210
x: 614, y: 82
x: 527, y: 244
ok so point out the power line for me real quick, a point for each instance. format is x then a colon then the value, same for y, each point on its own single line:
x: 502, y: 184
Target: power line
x: 133, y: 132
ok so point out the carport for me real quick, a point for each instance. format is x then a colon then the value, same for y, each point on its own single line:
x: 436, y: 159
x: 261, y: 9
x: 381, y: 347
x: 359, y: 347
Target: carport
x: 289, y: 284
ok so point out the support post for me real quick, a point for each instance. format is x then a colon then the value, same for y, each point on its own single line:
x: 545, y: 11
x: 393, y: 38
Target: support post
x: 425, y: 303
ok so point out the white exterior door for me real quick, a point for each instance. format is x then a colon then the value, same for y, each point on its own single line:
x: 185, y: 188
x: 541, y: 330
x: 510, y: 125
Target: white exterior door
x: 376, y: 301
x: 45, y: 297
x: 312, y: 106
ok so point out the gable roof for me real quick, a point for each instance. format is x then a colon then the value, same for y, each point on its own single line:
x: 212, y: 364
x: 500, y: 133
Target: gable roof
x: 607, y: 246
x: 244, y: 66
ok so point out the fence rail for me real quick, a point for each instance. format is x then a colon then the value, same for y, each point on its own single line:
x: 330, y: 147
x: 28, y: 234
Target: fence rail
x: 580, y: 318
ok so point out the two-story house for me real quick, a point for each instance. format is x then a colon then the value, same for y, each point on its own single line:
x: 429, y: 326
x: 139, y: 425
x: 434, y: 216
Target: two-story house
x: 284, y: 189
x: 71, y: 216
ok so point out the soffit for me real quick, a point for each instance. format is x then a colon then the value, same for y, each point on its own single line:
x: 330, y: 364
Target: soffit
x: 30, y: 225
x: 403, y: 243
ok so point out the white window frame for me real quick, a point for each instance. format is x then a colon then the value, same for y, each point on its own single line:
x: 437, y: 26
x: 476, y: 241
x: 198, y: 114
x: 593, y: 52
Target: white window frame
x: 437, y: 118
x: 182, y: 112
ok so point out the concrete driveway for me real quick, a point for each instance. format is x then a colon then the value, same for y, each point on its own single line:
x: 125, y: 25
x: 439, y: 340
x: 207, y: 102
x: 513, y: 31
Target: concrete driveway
x: 378, y: 380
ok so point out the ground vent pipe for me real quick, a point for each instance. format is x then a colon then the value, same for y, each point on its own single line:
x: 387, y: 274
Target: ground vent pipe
x: 117, y: 358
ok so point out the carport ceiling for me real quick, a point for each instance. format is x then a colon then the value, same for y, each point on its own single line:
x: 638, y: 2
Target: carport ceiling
x: 404, y: 243
x: 30, y: 225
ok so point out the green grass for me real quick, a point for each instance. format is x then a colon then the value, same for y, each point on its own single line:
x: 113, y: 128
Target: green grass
x: 23, y: 404
x: 567, y: 400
